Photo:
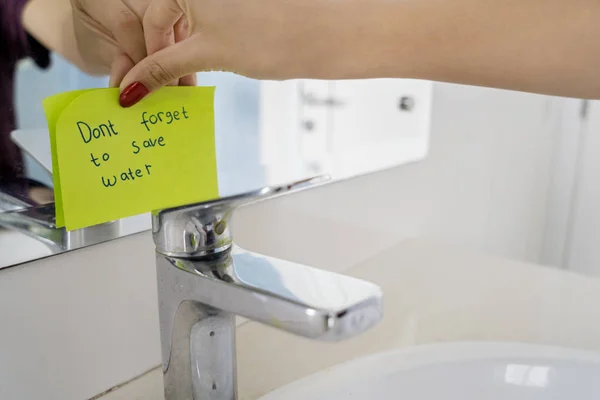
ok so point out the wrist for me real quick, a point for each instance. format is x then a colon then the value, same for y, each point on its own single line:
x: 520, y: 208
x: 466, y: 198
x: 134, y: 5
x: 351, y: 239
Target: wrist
x: 374, y: 39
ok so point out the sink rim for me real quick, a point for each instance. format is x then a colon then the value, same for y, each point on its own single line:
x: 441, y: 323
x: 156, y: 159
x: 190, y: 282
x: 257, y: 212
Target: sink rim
x: 368, y: 367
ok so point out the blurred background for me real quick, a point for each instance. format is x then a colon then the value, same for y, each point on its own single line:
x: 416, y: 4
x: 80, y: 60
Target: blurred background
x: 521, y: 168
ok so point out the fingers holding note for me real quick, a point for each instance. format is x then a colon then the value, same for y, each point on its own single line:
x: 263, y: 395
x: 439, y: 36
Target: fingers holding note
x: 112, y: 162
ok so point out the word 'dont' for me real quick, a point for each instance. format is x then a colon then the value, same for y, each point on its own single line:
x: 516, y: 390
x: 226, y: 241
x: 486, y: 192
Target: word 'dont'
x: 88, y: 133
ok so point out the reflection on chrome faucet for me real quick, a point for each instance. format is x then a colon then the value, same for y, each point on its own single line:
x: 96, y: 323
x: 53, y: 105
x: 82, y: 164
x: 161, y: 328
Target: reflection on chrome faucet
x: 26, y: 207
x: 256, y: 271
x: 20, y: 193
x: 204, y: 280
x: 39, y: 223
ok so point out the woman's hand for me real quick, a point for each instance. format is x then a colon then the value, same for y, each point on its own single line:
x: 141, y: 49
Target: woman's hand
x: 542, y: 46
x: 109, y: 35
x: 100, y: 37
x: 275, y: 39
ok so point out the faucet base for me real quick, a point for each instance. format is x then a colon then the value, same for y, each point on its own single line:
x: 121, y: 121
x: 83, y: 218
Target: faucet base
x: 198, y: 341
x: 214, y: 338
x: 198, y: 299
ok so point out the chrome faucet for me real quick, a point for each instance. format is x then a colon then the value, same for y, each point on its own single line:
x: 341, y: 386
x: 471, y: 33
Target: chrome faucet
x: 38, y: 222
x: 204, y: 281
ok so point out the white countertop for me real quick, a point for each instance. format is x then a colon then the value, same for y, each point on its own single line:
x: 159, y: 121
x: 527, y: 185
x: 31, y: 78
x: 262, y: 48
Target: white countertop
x: 433, y: 293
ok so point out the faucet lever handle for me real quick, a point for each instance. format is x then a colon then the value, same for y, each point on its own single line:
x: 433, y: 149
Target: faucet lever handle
x: 202, y: 229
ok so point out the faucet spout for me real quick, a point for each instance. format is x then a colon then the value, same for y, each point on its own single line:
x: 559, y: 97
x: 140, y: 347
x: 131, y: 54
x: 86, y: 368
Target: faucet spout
x: 199, y: 298
x: 205, y: 280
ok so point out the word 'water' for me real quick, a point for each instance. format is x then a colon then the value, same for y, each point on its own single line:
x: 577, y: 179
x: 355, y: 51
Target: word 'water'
x: 125, y: 176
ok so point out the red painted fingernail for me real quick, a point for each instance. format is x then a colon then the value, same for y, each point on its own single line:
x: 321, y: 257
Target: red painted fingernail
x: 132, y: 94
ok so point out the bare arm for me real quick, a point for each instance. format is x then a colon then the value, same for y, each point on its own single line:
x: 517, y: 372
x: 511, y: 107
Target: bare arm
x: 544, y: 46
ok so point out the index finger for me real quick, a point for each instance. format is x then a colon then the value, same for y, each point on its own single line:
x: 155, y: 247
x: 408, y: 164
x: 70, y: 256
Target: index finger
x: 159, y: 22
x: 128, y: 32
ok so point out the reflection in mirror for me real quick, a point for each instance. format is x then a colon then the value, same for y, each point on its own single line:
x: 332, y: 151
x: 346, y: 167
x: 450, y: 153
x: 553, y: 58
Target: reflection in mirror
x: 343, y: 128
x: 267, y: 133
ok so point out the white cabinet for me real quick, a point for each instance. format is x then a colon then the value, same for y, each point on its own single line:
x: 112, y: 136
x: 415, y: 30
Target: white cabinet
x: 380, y: 123
x: 343, y: 128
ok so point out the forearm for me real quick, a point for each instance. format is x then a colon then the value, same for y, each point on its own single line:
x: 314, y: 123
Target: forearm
x: 51, y: 23
x: 544, y: 46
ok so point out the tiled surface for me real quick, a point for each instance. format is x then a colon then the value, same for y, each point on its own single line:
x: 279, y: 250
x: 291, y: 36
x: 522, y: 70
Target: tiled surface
x: 146, y: 387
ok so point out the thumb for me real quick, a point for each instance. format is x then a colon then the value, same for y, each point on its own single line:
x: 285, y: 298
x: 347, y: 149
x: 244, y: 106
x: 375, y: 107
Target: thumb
x: 160, y: 69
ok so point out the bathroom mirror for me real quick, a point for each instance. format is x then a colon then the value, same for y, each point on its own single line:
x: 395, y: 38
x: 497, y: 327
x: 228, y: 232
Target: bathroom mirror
x: 267, y: 133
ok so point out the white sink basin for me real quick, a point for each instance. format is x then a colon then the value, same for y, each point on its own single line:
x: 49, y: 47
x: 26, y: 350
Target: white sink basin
x: 464, y: 371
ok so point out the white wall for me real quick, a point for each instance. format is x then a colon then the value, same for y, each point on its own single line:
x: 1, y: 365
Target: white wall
x: 583, y: 252
x: 74, y: 325
x: 569, y: 130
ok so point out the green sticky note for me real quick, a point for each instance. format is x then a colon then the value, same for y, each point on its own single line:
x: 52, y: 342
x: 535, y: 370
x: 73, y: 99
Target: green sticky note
x: 111, y: 162
x: 52, y: 108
